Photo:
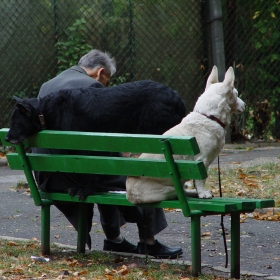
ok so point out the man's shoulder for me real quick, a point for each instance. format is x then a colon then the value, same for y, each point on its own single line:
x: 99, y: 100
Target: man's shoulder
x: 73, y: 77
x: 74, y: 70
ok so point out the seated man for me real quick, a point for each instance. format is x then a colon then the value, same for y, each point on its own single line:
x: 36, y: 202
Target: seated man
x: 95, y: 69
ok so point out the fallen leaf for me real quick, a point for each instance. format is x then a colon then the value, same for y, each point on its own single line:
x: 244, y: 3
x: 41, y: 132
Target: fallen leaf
x: 73, y: 263
x: 188, y: 268
x: 123, y: 270
x: 18, y: 270
x: 206, y: 235
x: 269, y: 216
x: 78, y: 273
x: 12, y: 243
x: 242, y: 176
x: 253, y: 185
x: 243, y: 218
x: 163, y: 266
x: 35, y: 239
x: 240, y: 192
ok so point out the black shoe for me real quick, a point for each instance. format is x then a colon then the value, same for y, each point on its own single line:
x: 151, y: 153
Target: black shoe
x: 160, y: 251
x: 123, y: 246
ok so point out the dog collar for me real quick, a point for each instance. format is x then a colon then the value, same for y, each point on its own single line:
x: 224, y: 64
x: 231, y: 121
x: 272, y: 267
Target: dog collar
x: 213, y: 118
x: 42, y: 121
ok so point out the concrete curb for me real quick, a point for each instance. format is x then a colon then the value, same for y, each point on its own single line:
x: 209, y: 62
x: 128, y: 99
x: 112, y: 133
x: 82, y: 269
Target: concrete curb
x: 252, y: 145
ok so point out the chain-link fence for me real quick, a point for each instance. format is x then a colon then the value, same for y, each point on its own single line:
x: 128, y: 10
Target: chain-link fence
x: 252, y: 46
x: 158, y: 40
x: 173, y: 42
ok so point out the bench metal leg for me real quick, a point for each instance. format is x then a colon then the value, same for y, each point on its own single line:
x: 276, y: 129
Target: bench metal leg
x: 45, y: 229
x: 81, y: 243
x: 235, y: 246
x: 196, y: 245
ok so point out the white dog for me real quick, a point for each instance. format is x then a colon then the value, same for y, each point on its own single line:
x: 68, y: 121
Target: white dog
x: 211, y: 114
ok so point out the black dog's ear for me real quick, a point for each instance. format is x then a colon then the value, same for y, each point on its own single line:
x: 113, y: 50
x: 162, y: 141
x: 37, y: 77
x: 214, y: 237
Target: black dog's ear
x: 17, y: 99
x: 21, y: 106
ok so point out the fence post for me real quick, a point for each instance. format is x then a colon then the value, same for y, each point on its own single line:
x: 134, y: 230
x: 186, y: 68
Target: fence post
x: 217, y: 36
x: 215, y: 19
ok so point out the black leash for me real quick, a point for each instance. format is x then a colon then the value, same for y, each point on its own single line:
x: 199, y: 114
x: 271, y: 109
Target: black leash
x: 222, y: 215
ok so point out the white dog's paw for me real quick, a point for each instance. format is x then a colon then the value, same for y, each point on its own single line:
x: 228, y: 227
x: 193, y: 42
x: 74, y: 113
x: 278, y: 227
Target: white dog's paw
x: 205, y: 194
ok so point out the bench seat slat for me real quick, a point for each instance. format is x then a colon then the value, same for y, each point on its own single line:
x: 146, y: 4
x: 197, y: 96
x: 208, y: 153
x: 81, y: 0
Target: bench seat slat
x: 106, y: 165
x: 120, y: 199
x: 259, y: 203
x: 220, y: 205
x: 241, y: 205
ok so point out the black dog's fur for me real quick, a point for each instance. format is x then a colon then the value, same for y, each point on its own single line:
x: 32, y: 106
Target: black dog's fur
x: 144, y: 107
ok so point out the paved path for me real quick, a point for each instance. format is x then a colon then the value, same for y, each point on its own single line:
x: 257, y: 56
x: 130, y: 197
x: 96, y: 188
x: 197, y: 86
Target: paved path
x: 260, y: 241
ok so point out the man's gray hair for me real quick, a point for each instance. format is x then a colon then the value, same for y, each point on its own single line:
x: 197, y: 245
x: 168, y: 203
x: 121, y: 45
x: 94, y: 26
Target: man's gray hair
x: 96, y: 58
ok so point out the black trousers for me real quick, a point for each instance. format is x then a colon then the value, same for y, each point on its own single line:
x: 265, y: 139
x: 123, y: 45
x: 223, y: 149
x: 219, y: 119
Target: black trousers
x: 150, y: 221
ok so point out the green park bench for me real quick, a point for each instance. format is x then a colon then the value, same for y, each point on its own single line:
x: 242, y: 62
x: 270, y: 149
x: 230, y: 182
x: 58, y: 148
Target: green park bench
x: 130, y: 166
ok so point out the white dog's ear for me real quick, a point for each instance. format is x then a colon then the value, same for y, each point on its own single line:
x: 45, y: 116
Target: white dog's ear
x: 229, y: 77
x: 213, y: 77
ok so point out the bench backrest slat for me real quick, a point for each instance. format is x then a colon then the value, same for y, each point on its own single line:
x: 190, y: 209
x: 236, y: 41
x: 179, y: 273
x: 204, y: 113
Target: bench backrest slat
x: 114, y: 142
x: 112, y: 165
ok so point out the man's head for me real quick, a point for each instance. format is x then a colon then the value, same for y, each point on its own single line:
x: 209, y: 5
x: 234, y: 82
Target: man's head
x: 98, y: 65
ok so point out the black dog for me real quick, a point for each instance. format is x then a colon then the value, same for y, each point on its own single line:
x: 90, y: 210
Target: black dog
x: 143, y: 107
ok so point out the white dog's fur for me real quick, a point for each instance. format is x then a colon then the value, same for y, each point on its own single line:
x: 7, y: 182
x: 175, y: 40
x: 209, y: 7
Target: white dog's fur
x: 219, y: 100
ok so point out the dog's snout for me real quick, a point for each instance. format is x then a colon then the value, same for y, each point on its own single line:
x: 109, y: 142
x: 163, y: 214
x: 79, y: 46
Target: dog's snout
x: 239, y: 106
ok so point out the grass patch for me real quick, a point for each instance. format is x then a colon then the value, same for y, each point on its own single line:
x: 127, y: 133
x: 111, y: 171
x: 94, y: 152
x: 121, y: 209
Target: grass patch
x: 259, y: 181
x: 21, y: 185
x: 64, y: 264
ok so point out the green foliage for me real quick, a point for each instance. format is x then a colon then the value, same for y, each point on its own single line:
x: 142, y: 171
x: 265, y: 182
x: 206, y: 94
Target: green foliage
x: 119, y: 80
x: 72, y: 45
x: 258, y: 61
x: 266, y: 42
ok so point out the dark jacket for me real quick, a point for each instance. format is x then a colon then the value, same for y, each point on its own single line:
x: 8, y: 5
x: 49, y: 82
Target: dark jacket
x: 73, y: 77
